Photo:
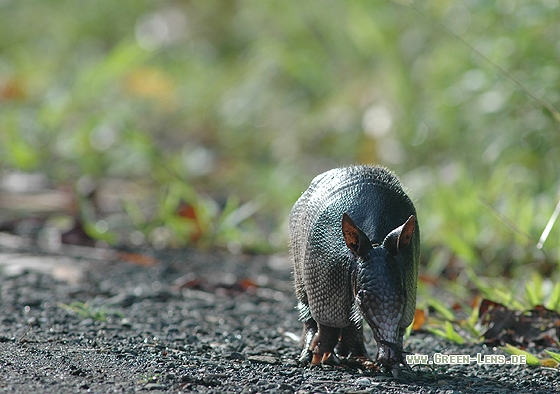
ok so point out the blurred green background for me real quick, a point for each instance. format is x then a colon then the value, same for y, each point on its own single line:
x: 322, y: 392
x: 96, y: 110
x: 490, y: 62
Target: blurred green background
x: 202, y: 121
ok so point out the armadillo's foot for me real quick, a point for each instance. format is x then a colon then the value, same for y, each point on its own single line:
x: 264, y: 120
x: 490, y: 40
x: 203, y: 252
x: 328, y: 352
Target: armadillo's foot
x: 351, y: 344
x: 327, y: 358
x: 318, y: 344
x: 322, y: 345
x: 308, y: 357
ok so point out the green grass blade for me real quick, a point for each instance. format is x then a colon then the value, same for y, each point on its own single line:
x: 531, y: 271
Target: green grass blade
x: 555, y: 356
x: 529, y: 358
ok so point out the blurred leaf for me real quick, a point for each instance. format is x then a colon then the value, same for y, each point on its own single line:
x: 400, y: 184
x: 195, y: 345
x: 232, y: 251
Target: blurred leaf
x: 152, y: 83
x: 138, y: 259
x: 12, y: 89
x: 530, y: 359
x: 448, y: 333
x: 419, y: 319
x: 452, y: 335
x: 134, y: 212
x: 555, y: 356
x: 122, y: 59
x: 533, y: 290
x: 86, y: 310
x: 93, y: 230
x: 549, y: 363
x: 442, y: 309
x: 554, y: 299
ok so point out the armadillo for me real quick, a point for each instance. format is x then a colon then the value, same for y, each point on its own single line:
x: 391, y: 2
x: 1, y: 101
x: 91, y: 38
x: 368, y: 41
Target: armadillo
x: 355, y: 245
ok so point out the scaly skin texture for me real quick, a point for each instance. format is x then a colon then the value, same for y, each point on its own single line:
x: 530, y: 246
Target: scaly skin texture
x: 368, y: 269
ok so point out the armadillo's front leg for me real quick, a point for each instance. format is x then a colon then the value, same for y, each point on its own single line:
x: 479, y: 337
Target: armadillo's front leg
x: 322, y: 345
x: 318, y: 343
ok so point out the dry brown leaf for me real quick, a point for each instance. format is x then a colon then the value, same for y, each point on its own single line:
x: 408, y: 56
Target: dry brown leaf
x: 187, y: 211
x: 150, y: 82
x: 419, y: 319
x: 539, y: 325
x: 138, y: 259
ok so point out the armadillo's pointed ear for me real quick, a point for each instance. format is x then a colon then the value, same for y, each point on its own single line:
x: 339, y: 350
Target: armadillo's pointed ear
x: 400, y: 237
x: 356, y: 240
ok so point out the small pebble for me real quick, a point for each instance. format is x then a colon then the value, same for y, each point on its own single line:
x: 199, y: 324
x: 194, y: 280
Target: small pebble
x: 155, y: 386
x: 263, y: 359
x: 236, y: 356
x: 363, y: 381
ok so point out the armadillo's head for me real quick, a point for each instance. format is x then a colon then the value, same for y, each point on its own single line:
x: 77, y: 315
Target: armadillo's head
x: 379, y: 285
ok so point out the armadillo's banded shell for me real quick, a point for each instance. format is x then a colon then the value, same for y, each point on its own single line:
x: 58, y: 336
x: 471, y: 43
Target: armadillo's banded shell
x: 374, y: 198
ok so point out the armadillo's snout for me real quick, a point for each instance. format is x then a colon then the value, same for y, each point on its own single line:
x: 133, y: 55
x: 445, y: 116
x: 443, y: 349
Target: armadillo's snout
x: 385, y: 326
x: 389, y: 354
x: 381, y: 300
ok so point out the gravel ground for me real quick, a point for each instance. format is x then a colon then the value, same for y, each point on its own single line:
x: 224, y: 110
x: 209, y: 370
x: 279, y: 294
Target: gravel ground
x: 191, y: 322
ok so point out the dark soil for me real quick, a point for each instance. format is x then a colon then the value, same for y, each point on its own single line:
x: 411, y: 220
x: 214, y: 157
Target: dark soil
x: 191, y: 322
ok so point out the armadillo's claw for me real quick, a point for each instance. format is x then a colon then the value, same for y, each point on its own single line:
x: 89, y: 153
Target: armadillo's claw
x: 317, y: 358
x: 326, y: 358
x: 332, y: 360
x: 305, y: 357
